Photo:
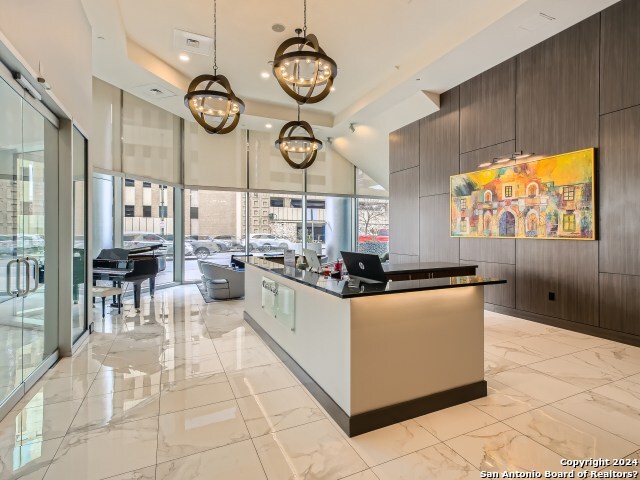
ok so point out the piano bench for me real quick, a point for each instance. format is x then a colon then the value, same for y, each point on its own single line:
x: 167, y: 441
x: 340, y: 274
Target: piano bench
x: 104, y: 292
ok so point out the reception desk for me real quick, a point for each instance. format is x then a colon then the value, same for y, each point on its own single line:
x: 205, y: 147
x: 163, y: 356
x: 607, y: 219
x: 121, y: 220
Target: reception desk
x: 373, y: 355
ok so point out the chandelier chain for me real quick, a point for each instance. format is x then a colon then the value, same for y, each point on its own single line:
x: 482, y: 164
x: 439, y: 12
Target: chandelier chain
x: 215, y: 37
x: 304, y: 30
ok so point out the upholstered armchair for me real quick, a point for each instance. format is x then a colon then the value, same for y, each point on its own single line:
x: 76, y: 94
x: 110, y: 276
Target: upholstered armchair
x: 221, y: 283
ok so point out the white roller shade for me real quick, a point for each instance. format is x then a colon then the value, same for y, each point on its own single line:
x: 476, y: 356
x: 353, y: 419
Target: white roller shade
x: 267, y: 168
x: 151, y: 141
x: 104, y: 147
x: 214, y: 160
x: 331, y: 173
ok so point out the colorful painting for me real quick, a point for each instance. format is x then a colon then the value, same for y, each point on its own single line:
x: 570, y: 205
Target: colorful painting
x: 551, y: 198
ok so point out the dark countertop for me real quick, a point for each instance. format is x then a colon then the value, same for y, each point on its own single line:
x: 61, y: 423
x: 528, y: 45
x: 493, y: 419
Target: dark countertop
x: 422, y: 267
x: 341, y: 288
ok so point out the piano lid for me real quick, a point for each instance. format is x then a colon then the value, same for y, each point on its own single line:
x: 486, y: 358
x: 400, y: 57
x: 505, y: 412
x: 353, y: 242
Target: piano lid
x: 125, y: 253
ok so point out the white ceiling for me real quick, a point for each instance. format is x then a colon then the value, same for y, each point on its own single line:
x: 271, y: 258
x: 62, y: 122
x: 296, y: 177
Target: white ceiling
x: 388, y: 52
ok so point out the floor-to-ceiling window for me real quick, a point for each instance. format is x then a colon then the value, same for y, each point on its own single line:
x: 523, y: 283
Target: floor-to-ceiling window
x: 213, y: 228
x: 329, y: 224
x: 373, y: 226
x: 274, y: 222
x: 79, y: 309
x: 28, y: 163
x: 148, y: 219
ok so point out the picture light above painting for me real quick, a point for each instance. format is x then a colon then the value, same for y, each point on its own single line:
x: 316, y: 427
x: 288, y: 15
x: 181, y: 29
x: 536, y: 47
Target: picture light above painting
x: 552, y: 198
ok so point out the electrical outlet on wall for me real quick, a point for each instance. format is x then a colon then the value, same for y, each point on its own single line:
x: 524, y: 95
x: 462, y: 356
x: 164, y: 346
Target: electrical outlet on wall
x: 552, y: 296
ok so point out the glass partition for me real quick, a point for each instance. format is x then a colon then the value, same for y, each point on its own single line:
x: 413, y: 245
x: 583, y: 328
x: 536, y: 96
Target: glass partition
x: 28, y: 163
x: 373, y: 226
x: 213, y: 228
x: 329, y: 225
x: 275, y: 222
x: 149, y: 220
x: 79, y: 309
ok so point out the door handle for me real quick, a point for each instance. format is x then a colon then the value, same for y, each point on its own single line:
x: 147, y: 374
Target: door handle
x: 36, y: 273
x: 25, y: 292
x: 9, y: 290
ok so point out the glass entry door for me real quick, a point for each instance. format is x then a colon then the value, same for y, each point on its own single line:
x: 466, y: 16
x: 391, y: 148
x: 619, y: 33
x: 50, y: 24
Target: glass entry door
x: 28, y: 332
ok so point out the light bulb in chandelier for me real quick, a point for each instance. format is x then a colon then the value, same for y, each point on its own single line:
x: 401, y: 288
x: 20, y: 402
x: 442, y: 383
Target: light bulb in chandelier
x: 298, y: 145
x: 213, y: 103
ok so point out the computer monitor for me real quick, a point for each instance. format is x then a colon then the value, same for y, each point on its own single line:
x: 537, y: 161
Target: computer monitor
x: 364, y: 267
x: 312, y: 260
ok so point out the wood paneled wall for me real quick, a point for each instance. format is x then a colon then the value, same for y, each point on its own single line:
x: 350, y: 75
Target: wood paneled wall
x: 578, y: 89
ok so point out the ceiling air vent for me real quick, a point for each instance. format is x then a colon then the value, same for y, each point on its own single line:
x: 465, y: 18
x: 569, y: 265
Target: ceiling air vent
x: 192, y: 42
x: 153, y: 90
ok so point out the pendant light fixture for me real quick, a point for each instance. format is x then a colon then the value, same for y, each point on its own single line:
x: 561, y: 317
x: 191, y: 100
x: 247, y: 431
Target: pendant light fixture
x: 210, y: 97
x: 297, y: 144
x: 302, y: 68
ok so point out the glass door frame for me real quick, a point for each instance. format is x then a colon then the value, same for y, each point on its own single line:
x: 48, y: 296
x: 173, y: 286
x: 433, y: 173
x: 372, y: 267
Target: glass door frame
x: 6, y: 404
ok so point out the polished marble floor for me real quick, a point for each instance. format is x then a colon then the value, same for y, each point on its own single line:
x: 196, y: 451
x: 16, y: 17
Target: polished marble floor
x: 186, y: 390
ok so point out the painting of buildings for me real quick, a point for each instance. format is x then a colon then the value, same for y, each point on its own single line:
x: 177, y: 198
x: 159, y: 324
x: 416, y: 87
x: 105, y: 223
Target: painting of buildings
x: 550, y: 198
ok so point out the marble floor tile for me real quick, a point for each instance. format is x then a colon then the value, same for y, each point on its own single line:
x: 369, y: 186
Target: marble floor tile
x: 106, y: 452
x: 504, y: 332
x: 118, y: 407
x: 55, y: 390
x: 620, y: 360
x: 454, y: 421
x: 529, y: 327
x: 236, y: 341
x: 111, y: 381
x: 82, y: 364
x: 148, y: 473
x: 247, y: 358
x: 503, y: 401
x: 605, y: 412
x: 545, y: 347
x: 200, y: 348
x: 579, y: 340
x: 513, y: 352
x: 313, y: 451
x: 181, y: 369
x: 194, y: 392
x: 436, y: 462
x: 42, y: 422
x: 132, y: 358
x: 384, y: 444
x: 198, y: 429
x: 494, y: 364
x: 27, y: 461
x: 569, y: 436
x: 577, y: 370
x: 498, y: 448
x: 623, y: 391
x: 252, y: 381
x: 238, y: 461
x: 364, y: 475
x: 272, y: 411
x: 536, y: 384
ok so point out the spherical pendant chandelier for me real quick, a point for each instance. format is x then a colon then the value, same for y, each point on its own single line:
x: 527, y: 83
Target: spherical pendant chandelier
x: 210, y: 98
x: 303, y: 70
x: 297, y: 144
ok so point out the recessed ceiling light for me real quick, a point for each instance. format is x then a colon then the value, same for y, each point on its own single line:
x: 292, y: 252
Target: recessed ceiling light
x: 100, y: 37
x: 277, y: 27
x: 265, y: 75
x: 184, y: 57
x: 268, y: 125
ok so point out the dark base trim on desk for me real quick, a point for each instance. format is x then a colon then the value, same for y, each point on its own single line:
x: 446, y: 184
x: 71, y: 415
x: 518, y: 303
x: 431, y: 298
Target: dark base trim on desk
x: 382, y: 417
x: 592, y: 330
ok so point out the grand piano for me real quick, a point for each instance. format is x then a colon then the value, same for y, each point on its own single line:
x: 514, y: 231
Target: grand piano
x: 134, y: 265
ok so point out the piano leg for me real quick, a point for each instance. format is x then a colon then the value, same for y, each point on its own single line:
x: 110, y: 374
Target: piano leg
x: 152, y: 286
x: 136, y: 295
